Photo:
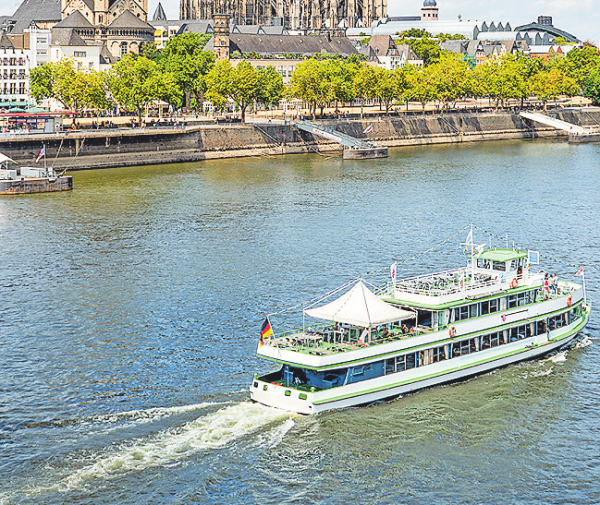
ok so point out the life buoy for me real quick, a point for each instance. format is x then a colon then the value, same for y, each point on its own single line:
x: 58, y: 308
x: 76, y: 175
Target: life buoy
x: 514, y: 283
x: 503, y: 317
x: 569, y: 300
x: 452, y: 331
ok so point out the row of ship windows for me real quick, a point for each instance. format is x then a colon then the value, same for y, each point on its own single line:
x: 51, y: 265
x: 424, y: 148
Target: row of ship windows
x: 490, y: 306
x: 476, y: 344
x: 500, y: 266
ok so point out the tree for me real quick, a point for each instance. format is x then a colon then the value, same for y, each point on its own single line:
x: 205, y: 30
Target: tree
x: 241, y: 83
x: 150, y: 51
x: 309, y: 83
x: 136, y: 81
x: 592, y: 86
x: 40, y: 82
x: 583, y: 61
x: 548, y: 85
x: 385, y: 89
x: 270, y: 86
x: 451, y: 78
x: 364, y: 84
x: 76, y: 89
x: 184, y: 58
x: 502, y: 78
x: 422, y: 87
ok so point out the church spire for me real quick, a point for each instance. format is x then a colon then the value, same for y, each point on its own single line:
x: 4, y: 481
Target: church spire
x: 159, y: 13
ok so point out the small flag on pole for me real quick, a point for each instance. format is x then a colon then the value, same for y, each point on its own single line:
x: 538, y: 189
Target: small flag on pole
x: 41, y: 155
x: 368, y: 129
x: 393, y: 268
x: 266, y: 332
x: 580, y: 272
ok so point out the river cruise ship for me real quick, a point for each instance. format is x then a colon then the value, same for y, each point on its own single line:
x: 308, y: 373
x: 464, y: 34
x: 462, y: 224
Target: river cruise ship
x: 369, y: 345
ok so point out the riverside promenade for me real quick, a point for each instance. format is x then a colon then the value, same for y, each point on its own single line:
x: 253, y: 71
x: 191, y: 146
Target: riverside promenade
x: 192, y: 141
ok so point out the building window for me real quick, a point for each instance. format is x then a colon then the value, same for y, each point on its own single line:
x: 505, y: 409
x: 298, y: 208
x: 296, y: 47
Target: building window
x: 80, y: 54
x: 123, y: 49
x: 100, y: 18
x: 42, y: 41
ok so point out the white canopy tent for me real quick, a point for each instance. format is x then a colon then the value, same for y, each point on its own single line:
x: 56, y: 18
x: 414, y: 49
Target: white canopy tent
x: 4, y: 158
x: 359, y: 306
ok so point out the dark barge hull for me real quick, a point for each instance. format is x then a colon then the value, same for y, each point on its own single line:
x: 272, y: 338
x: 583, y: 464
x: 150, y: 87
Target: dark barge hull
x: 28, y: 185
x: 366, y: 153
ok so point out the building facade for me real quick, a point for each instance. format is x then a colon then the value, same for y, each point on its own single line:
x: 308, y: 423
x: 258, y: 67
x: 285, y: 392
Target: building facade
x: 293, y: 14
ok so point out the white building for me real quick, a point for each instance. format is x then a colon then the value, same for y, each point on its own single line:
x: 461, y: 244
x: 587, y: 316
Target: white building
x: 392, y: 56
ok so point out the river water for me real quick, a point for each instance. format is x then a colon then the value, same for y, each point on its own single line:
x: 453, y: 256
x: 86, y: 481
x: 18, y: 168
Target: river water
x: 131, y: 309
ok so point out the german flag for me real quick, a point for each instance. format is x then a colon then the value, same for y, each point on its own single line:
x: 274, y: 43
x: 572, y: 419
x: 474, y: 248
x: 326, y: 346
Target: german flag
x: 266, y: 332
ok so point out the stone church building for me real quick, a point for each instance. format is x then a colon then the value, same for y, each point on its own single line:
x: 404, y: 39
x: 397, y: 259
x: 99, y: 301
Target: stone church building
x: 293, y: 14
x: 117, y: 25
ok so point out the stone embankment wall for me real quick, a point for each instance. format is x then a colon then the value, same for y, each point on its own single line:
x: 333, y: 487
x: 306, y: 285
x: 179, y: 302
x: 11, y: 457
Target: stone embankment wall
x: 115, y: 148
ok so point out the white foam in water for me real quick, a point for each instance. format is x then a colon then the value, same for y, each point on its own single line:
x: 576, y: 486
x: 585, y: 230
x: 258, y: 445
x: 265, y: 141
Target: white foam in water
x: 210, y: 432
x: 149, y: 415
x: 584, y: 342
x: 559, y: 357
x: 542, y: 373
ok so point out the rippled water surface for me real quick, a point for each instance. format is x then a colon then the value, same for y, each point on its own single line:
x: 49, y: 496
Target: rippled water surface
x: 131, y: 309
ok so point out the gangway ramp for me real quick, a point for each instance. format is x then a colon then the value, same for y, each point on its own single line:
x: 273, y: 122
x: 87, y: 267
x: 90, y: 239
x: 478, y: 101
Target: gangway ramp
x: 554, y: 123
x: 353, y: 148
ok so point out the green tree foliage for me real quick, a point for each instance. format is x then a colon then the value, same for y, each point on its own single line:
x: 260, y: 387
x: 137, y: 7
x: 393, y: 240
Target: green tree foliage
x: 415, y: 33
x: 270, y: 86
x: 136, y: 81
x: 40, y: 82
x: 309, y: 83
x: 451, y: 78
x: 385, y: 89
x: 550, y: 84
x: 150, y: 51
x: 443, y: 37
x: 502, y: 79
x: 422, y: 86
x: 243, y: 84
x: 364, y: 84
x: 183, y: 56
x: 76, y: 89
x: 425, y: 48
x: 592, y: 86
x: 582, y: 62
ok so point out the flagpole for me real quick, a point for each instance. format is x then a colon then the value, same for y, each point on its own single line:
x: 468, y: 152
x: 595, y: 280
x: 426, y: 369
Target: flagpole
x: 45, y: 168
x: 583, y: 279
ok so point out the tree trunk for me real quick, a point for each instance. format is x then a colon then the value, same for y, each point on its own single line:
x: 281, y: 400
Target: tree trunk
x: 362, y: 107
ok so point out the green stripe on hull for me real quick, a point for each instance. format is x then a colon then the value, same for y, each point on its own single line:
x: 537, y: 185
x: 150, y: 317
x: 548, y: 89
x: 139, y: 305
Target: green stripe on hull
x: 563, y: 336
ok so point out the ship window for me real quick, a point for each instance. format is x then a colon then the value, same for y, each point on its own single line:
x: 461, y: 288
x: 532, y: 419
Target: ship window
x: 495, y: 339
x: 541, y: 327
x: 512, y: 301
x: 494, y: 305
x: 500, y: 266
x: 464, y: 312
x: 484, y: 308
x: 438, y: 354
x: 473, y: 310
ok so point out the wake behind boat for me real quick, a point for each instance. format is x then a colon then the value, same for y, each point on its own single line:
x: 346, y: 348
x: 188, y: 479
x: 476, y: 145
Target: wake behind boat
x: 421, y: 331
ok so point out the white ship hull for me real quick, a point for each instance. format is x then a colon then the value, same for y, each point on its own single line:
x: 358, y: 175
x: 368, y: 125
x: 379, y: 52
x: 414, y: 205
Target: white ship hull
x: 393, y: 385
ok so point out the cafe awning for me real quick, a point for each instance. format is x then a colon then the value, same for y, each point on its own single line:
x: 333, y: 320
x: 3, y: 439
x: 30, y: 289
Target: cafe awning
x: 4, y: 158
x: 359, y: 306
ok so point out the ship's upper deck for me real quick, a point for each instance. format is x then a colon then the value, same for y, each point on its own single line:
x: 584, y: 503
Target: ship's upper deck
x: 487, y: 273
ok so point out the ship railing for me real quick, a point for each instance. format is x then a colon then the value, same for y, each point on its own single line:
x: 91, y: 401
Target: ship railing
x: 443, y: 284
